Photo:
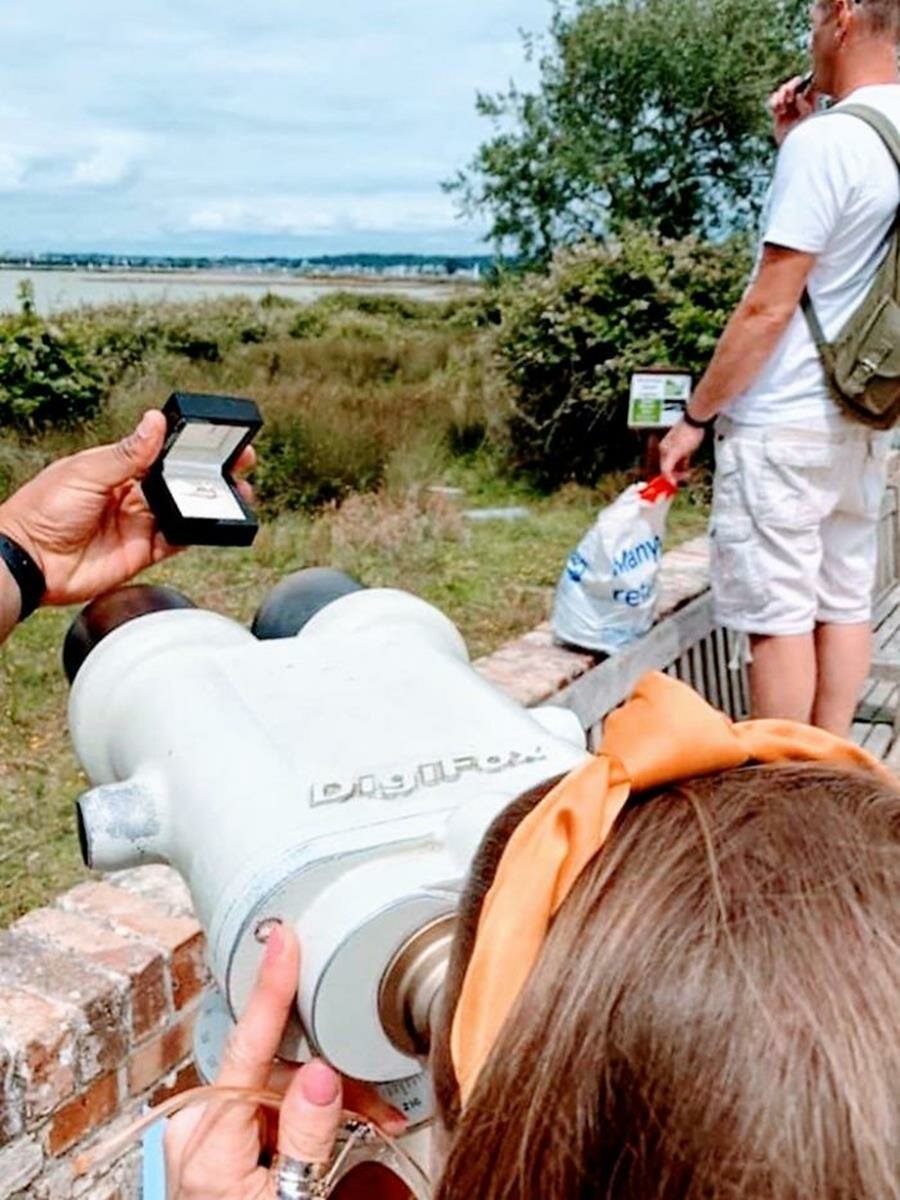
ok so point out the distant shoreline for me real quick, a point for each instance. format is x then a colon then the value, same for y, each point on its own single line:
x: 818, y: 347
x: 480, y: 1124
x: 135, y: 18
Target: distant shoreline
x: 57, y: 289
x: 355, y: 280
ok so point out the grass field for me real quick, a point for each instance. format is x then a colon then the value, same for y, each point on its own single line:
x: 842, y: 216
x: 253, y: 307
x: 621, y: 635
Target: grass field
x: 370, y: 409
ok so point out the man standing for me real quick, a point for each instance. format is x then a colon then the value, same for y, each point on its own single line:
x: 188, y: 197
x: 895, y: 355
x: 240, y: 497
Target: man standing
x: 798, y: 484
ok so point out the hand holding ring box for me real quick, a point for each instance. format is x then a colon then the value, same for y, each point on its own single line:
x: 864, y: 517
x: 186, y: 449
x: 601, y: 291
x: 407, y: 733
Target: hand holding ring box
x: 190, y: 487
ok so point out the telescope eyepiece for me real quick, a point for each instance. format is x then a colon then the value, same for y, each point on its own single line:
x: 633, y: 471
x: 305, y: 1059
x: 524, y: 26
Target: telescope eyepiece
x: 108, y: 613
x: 292, y: 603
x: 412, y: 984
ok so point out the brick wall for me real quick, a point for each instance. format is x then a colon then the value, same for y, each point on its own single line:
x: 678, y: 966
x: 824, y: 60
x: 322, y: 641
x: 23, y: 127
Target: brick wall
x: 99, y: 992
x: 98, y: 995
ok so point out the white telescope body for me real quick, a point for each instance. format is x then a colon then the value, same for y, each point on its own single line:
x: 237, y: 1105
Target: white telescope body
x: 339, y: 780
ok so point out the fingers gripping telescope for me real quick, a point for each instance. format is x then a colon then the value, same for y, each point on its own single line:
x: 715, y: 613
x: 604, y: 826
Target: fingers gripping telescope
x: 335, y: 768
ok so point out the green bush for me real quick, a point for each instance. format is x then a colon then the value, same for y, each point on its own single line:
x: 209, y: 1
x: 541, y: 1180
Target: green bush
x: 308, y: 323
x: 126, y: 336
x: 46, y: 377
x: 305, y: 462
x: 380, y: 304
x: 571, y: 339
x: 351, y: 388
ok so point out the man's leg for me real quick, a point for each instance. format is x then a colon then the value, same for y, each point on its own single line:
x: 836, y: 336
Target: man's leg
x: 846, y: 584
x: 766, y: 552
x: 783, y: 677
x: 843, y: 655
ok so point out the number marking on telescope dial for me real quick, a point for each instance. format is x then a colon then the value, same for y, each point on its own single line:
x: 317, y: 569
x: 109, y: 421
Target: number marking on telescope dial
x: 412, y: 1096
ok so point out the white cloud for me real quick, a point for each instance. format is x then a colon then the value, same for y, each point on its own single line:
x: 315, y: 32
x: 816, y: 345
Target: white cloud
x: 169, y: 125
x: 385, y: 212
x: 12, y: 169
x: 56, y: 155
x: 109, y: 163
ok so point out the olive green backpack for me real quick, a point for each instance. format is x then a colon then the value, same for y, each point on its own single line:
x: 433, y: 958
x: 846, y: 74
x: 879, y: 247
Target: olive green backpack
x: 862, y: 365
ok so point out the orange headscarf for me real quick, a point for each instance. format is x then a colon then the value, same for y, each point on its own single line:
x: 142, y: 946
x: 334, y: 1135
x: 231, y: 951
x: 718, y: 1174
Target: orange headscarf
x: 665, y: 734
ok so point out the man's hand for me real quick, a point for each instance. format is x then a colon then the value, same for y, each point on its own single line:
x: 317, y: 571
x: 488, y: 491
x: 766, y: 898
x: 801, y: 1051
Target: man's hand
x: 84, y: 519
x: 676, y: 449
x: 789, y: 106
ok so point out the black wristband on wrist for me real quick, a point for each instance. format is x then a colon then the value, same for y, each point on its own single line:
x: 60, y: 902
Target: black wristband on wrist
x: 27, y: 574
x: 696, y: 423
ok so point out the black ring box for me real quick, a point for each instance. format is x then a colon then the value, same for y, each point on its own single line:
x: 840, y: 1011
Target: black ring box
x: 190, y: 488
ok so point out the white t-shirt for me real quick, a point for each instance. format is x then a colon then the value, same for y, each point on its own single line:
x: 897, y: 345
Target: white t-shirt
x: 835, y: 194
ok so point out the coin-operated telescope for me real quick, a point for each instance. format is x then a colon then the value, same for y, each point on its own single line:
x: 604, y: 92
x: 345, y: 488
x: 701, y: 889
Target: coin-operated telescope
x: 335, y: 767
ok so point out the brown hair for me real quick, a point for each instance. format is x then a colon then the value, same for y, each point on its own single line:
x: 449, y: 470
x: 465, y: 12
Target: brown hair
x: 715, y: 1013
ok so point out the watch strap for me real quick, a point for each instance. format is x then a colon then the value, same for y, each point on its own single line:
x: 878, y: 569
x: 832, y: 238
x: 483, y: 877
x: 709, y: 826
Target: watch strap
x: 28, y: 575
x: 696, y: 423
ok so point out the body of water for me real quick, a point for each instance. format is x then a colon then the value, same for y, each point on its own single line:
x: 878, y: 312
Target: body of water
x: 55, y: 290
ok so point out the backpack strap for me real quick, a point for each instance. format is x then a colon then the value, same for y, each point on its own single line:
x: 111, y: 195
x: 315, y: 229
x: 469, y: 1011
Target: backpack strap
x: 815, y: 328
x: 877, y: 120
x: 890, y: 135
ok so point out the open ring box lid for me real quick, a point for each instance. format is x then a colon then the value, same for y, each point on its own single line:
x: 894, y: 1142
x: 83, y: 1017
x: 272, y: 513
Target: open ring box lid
x: 190, y: 487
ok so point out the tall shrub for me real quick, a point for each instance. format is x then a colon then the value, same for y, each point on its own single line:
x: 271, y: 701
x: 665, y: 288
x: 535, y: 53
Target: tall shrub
x: 571, y: 338
x: 46, y: 377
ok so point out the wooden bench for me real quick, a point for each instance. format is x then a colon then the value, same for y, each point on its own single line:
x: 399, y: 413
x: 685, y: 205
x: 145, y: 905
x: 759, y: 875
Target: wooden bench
x: 687, y: 644
x: 877, y: 725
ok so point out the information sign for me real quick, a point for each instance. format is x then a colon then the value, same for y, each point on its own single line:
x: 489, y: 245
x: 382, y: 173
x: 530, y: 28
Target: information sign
x: 658, y: 398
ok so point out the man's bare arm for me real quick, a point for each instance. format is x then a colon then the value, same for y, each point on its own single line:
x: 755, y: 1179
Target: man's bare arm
x: 755, y: 329
x: 749, y: 341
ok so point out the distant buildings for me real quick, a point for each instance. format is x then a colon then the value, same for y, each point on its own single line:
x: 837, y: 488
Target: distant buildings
x: 376, y: 265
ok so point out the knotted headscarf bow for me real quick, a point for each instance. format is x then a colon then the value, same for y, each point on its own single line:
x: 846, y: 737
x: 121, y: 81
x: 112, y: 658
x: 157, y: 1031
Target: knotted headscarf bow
x: 664, y: 735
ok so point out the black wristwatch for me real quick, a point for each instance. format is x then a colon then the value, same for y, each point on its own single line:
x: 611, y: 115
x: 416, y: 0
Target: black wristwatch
x: 696, y: 423
x: 27, y: 574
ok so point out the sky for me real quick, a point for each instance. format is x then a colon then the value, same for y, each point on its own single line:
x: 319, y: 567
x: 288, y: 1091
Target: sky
x: 247, y: 126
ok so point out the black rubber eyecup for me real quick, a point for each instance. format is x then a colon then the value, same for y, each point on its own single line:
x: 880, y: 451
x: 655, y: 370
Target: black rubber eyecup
x: 110, y: 612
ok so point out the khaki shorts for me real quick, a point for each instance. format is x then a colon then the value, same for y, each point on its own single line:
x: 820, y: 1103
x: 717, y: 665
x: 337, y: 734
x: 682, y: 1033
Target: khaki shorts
x: 794, y: 530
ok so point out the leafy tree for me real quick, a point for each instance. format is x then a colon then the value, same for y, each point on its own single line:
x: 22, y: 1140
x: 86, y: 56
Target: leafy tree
x: 648, y: 110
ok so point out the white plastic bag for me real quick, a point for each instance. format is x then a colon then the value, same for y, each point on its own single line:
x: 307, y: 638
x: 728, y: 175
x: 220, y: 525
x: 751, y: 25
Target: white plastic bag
x: 608, y: 591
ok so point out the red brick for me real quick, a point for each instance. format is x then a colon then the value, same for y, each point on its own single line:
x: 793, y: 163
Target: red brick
x: 59, y: 1182
x: 185, y: 1078
x: 190, y: 974
x: 161, y: 885
x: 94, y: 999
x: 88, y: 1110
x: 140, y: 966
x: 181, y: 938
x: 156, y: 1058
x: 40, y: 1038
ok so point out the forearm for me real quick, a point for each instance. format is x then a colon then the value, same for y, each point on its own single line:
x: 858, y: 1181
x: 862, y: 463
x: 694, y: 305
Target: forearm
x: 749, y: 341
x: 10, y: 602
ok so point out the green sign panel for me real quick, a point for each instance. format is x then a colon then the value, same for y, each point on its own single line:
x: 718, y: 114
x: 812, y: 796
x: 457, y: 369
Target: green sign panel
x: 658, y: 399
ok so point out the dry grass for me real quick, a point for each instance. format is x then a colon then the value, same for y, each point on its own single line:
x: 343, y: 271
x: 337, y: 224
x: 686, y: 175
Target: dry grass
x: 349, y: 386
